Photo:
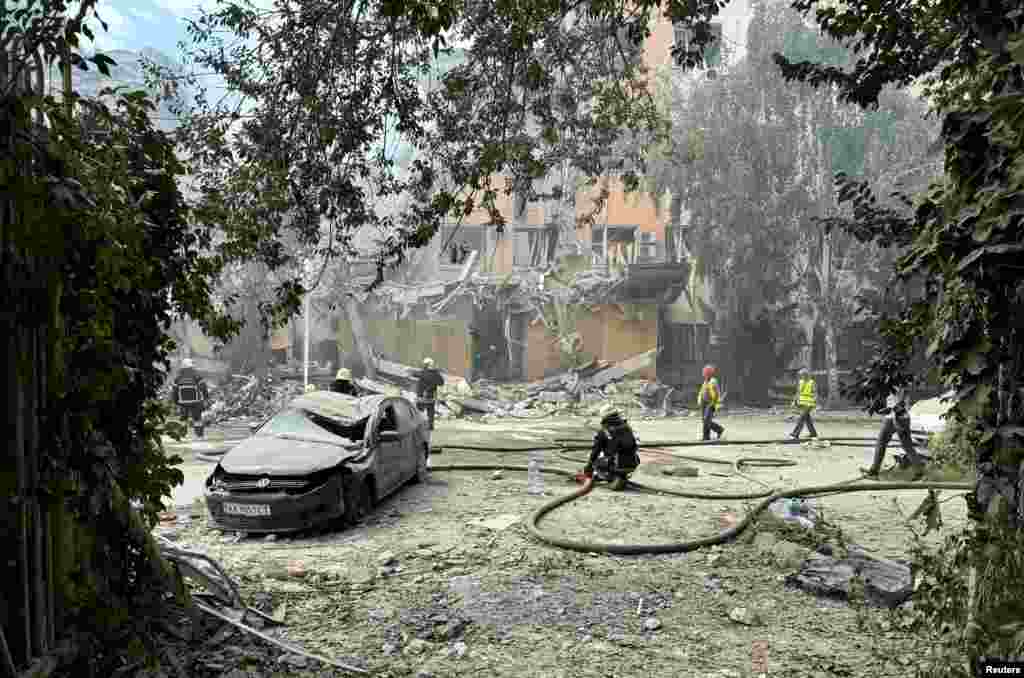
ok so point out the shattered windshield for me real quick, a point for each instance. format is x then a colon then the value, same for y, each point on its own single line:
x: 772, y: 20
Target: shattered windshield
x: 297, y: 423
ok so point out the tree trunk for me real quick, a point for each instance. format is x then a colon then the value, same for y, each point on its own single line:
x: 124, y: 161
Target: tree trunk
x: 360, y: 336
x: 831, y: 361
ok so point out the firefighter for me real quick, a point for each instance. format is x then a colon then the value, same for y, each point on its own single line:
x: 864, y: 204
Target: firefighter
x: 806, y: 400
x: 897, y: 420
x: 614, y: 454
x: 343, y: 383
x: 709, y: 398
x: 190, y: 395
x: 426, y: 390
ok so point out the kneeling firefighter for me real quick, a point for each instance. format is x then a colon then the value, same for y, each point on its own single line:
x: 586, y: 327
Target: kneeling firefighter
x: 614, y: 455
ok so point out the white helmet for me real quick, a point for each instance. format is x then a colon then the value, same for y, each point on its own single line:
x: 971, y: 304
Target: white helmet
x: 187, y: 362
x: 428, y: 362
x: 310, y: 388
x: 344, y: 373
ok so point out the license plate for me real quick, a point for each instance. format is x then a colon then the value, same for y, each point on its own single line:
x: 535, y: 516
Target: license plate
x: 247, y: 509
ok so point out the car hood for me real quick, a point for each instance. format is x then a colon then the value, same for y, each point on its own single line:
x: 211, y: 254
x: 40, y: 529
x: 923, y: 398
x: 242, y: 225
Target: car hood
x: 287, y: 455
x: 929, y: 415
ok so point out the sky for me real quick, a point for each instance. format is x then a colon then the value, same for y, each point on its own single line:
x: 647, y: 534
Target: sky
x: 160, y: 24
x: 135, y: 24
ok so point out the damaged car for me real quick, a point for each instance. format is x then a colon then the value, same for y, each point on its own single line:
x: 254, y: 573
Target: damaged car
x: 326, y: 458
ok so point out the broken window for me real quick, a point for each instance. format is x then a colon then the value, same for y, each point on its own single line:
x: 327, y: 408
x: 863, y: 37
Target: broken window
x: 621, y: 246
x: 694, y: 342
x: 534, y: 247
x: 306, y: 423
x: 712, y: 52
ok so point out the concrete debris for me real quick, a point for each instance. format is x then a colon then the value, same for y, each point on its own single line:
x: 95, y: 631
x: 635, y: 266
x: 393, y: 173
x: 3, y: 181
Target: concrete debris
x: 881, y: 583
x: 244, y: 401
x: 417, y: 646
x: 681, y: 471
x: 745, y: 616
x: 497, y: 523
x: 651, y: 624
x: 458, y: 650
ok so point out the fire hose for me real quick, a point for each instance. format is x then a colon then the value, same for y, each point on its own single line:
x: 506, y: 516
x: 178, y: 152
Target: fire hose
x: 767, y: 497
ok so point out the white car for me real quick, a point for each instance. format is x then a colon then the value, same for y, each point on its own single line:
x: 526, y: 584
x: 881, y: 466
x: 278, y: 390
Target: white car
x: 927, y: 417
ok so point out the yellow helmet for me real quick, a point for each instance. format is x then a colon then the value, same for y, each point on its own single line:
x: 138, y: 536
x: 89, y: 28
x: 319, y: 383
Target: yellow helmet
x: 310, y: 388
x: 344, y: 373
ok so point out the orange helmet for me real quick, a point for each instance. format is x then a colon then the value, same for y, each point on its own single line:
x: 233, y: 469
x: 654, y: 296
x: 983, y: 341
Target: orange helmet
x: 709, y: 371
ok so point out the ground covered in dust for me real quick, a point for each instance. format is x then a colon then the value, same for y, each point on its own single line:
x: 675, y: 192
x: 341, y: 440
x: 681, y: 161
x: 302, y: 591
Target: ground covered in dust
x: 444, y: 579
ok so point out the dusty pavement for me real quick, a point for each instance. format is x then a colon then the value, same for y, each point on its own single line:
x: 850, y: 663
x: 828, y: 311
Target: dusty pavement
x: 444, y: 579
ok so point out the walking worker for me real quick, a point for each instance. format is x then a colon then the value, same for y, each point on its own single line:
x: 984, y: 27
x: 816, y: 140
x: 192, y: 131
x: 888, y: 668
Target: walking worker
x: 426, y: 390
x: 708, y: 399
x: 897, y: 420
x: 806, y: 400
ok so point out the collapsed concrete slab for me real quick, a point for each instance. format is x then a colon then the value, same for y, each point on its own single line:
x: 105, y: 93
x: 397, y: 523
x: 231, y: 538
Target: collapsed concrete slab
x: 887, y: 583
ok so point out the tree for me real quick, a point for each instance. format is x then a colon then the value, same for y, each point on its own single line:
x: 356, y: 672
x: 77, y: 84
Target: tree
x: 962, y: 239
x: 755, y: 172
x: 98, y: 254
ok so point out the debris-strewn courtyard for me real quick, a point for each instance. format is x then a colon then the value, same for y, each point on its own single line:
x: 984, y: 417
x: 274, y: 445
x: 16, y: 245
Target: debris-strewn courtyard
x: 444, y: 579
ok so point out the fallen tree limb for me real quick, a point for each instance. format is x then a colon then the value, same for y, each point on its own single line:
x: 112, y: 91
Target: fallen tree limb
x: 6, y: 660
x: 277, y: 643
x: 220, y: 583
x: 249, y: 610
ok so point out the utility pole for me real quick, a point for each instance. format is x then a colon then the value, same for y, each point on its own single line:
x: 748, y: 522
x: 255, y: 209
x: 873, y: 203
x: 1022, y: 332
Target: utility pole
x: 305, y: 347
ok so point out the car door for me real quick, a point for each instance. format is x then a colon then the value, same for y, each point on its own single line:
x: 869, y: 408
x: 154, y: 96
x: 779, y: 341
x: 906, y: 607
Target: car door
x: 408, y: 421
x: 389, y: 451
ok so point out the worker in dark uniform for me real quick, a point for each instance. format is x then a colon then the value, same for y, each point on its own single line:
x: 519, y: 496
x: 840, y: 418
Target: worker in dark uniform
x: 343, y: 383
x: 614, y: 455
x: 426, y: 390
x: 190, y: 395
x: 897, y: 420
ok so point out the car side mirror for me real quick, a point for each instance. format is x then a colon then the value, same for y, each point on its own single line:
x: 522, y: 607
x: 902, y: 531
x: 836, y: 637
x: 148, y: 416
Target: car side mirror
x: 388, y: 435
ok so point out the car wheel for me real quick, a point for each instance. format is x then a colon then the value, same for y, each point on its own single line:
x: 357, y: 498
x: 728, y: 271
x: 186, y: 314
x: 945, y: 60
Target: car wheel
x: 422, y: 470
x: 358, y: 501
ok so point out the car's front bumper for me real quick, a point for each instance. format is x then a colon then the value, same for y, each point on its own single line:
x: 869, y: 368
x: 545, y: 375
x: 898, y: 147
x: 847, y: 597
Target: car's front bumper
x: 288, y: 512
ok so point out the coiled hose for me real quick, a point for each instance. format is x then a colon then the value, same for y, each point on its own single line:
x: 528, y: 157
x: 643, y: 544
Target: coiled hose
x: 767, y: 497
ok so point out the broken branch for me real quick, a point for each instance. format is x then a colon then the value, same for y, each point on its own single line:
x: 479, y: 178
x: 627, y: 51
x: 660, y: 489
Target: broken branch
x: 277, y: 643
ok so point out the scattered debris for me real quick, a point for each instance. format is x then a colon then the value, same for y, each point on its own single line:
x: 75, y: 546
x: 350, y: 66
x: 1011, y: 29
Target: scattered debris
x: 745, y: 616
x: 681, y: 471
x: 497, y: 523
x: 887, y: 583
x: 651, y: 624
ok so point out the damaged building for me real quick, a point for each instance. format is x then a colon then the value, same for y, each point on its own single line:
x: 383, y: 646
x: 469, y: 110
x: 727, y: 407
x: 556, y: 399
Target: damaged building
x: 543, y: 297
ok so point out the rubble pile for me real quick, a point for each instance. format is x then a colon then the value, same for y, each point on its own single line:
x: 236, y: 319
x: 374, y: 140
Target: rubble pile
x: 589, y: 390
x: 248, y: 397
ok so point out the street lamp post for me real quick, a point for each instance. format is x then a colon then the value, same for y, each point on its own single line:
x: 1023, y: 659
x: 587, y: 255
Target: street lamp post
x: 305, y: 346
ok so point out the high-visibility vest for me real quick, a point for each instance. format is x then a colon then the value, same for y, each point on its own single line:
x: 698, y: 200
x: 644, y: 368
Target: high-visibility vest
x: 711, y: 388
x: 806, y: 396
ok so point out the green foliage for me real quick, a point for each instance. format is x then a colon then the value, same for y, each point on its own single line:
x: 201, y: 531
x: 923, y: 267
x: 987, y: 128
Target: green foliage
x: 954, y: 447
x: 747, y: 163
x: 942, y: 600
x: 963, y: 238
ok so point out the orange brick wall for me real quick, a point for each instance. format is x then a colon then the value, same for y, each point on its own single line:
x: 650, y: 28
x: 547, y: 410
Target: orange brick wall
x: 626, y: 338
x: 622, y: 208
x: 658, y: 49
x: 604, y: 333
x: 542, y: 354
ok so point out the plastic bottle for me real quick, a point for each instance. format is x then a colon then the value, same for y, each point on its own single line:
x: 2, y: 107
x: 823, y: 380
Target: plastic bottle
x: 534, y: 477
